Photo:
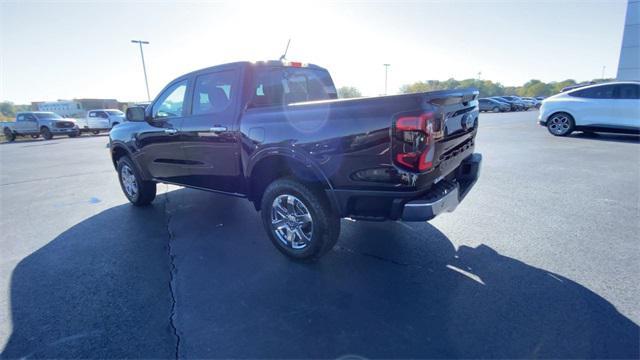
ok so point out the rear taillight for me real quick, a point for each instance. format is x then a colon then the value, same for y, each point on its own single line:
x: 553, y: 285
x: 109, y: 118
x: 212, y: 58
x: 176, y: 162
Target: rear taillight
x: 414, y: 148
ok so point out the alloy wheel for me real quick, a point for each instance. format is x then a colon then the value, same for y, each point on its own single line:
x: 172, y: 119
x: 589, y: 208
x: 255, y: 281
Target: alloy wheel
x: 291, y: 222
x: 129, y: 181
x: 559, y: 124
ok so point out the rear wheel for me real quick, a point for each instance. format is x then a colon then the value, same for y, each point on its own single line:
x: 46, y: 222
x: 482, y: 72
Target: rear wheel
x: 495, y: 109
x: 9, y: 135
x: 95, y: 132
x: 560, y: 124
x: 137, y: 191
x: 75, y: 134
x: 46, y: 133
x: 35, y: 136
x: 299, y: 220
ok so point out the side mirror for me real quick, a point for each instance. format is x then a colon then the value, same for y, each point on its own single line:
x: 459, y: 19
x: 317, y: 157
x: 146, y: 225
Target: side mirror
x: 136, y: 113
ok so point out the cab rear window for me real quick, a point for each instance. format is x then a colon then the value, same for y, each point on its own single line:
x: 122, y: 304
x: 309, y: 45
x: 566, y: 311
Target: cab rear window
x: 279, y: 86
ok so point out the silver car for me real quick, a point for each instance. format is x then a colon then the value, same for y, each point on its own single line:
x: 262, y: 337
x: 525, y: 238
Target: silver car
x: 37, y: 123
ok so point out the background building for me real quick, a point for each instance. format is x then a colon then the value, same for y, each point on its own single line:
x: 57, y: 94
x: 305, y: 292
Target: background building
x: 629, y: 64
x: 77, y: 107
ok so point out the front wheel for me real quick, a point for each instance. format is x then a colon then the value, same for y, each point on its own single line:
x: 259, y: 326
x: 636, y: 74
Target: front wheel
x: 95, y: 132
x: 299, y: 220
x: 137, y: 191
x: 495, y: 109
x: 75, y: 134
x: 560, y: 124
x: 35, y: 136
x: 46, y: 133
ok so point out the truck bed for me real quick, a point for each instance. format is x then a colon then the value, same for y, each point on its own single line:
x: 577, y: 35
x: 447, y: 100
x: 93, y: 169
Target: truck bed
x: 350, y: 140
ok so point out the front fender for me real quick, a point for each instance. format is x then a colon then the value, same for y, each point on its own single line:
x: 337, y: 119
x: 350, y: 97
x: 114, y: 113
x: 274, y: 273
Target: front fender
x: 118, y: 148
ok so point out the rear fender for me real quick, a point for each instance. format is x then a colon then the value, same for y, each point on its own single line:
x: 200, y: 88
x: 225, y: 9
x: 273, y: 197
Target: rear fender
x: 296, y: 156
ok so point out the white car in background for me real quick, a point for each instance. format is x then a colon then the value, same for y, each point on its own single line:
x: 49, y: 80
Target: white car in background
x: 608, y: 107
x: 98, y: 120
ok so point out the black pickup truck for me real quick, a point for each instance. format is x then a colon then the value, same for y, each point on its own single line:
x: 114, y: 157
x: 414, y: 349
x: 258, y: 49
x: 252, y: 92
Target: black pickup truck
x: 275, y: 133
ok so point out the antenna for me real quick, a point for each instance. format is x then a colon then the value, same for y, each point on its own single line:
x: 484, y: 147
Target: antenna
x: 285, y: 50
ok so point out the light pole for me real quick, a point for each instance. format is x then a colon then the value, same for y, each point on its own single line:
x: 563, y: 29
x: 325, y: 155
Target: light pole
x: 603, y: 67
x: 386, y: 68
x: 144, y: 68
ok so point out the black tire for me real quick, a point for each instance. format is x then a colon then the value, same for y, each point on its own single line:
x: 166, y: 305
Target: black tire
x: 75, y: 134
x: 95, y: 132
x: 495, y: 109
x: 46, y: 133
x: 560, y: 124
x: 9, y: 135
x: 35, y: 136
x: 324, y: 223
x: 146, y: 190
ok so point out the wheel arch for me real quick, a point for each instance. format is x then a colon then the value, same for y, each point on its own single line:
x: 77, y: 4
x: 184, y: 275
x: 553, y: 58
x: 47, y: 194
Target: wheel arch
x: 277, y: 164
x: 118, y: 150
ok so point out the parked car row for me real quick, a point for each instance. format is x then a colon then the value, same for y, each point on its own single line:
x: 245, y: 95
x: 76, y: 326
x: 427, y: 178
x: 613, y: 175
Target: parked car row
x: 509, y: 103
x: 49, y: 124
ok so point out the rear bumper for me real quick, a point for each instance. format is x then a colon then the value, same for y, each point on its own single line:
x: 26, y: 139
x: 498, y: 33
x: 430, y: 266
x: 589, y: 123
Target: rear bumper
x: 376, y: 205
x: 446, y: 195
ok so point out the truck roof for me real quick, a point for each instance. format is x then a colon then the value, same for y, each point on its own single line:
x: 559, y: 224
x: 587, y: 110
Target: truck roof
x: 35, y: 112
x: 240, y: 64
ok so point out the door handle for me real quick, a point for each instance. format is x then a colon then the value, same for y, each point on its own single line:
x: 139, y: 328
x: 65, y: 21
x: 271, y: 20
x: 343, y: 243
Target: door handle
x: 218, y: 129
x: 170, y: 131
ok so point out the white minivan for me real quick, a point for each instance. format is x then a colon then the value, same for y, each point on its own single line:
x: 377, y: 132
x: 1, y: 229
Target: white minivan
x: 100, y: 120
x: 608, y: 107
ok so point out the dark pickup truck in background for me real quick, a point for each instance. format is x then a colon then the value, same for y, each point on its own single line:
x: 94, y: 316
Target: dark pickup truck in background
x: 275, y: 133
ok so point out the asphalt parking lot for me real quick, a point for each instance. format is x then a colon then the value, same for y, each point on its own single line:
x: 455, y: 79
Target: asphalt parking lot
x: 540, y: 260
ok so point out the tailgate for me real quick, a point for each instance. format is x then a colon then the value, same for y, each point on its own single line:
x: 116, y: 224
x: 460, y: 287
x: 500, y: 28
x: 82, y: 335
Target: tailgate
x: 456, y: 115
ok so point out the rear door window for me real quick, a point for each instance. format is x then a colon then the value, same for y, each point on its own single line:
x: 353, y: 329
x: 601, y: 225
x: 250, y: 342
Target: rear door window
x: 214, y: 92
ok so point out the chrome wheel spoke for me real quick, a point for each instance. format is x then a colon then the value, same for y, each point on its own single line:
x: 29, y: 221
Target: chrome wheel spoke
x: 279, y: 224
x: 304, y: 218
x: 291, y: 205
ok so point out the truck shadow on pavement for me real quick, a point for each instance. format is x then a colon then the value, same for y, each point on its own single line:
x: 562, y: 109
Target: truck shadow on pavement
x: 105, y: 288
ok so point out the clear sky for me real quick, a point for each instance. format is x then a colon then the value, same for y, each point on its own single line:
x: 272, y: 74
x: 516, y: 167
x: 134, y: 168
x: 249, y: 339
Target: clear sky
x: 56, y: 50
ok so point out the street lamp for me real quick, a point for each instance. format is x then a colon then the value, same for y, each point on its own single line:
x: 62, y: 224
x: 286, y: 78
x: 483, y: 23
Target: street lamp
x: 386, y: 68
x: 144, y: 68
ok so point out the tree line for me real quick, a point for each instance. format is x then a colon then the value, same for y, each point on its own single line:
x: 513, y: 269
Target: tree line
x: 487, y: 88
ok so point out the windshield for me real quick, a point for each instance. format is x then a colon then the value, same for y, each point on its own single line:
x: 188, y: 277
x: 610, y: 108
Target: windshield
x: 46, y: 116
x: 115, y: 112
